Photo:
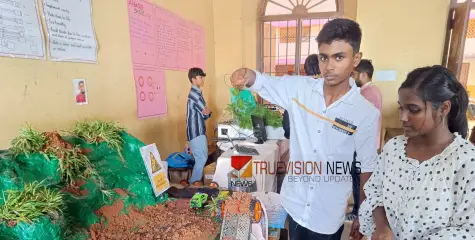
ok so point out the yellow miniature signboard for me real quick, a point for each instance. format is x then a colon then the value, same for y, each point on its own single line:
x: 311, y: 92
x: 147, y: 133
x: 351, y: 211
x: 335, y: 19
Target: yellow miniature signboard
x: 155, y: 170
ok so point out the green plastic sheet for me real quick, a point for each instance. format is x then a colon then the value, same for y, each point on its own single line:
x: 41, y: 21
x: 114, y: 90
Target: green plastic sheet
x: 39, y: 167
x: 127, y: 173
x: 9, y: 174
x: 42, y: 228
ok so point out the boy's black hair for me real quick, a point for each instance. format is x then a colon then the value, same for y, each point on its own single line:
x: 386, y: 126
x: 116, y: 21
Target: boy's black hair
x: 195, y: 72
x: 365, y: 66
x: 341, y: 29
x: 311, y: 65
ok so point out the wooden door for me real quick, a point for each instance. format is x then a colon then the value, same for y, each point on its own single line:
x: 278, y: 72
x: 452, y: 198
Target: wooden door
x: 455, y: 37
x: 464, y: 74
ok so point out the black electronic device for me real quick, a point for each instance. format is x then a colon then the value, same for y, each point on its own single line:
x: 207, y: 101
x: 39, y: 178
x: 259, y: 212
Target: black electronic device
x: 259, y: 129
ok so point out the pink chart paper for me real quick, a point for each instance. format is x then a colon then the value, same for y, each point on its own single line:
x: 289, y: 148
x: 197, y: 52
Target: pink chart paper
x: 160, y: 40
x: 142, y: 32
x: 166, y: 38
x: 184, y: 44
x: 151, y: 94
x: 149, y: 79
x: 199, y: 47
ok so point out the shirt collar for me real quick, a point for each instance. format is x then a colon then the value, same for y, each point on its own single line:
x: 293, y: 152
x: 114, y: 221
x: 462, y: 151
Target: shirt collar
x: 366, y: 85
x: 196, y: 88
x: 318, y: 87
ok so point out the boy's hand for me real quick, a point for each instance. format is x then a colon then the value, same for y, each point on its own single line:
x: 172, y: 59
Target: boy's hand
x: 242, y: 78
x: 206, y: 111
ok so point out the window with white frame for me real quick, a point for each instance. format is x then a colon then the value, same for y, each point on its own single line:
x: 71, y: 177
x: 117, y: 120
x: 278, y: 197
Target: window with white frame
x: 288, y: 29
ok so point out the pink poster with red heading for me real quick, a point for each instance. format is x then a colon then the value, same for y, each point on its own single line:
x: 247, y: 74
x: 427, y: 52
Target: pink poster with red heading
x: 149, y: 78
x: 160, y: 40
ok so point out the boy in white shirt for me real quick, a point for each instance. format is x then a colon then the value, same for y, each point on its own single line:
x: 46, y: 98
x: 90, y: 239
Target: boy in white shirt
x: 329, y: 121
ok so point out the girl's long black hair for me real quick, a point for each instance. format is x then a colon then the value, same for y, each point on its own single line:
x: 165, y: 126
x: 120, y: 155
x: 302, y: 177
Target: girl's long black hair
x: 436, y: 85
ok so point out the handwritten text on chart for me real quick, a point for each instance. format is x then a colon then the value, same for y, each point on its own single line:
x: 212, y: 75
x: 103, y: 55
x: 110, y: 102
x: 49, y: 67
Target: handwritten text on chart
x: 70, y: 31
x: 163, y: 39
x: 21, y: 34
x: 160, y: 40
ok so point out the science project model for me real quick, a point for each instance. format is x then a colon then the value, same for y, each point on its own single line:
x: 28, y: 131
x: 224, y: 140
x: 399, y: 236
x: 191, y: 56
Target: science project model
x: 92, y: 184
x: 243, y: 106
x: 237, y: 214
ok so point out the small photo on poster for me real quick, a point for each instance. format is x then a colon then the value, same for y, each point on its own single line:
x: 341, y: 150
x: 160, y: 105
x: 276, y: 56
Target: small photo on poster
x: 80, y: 91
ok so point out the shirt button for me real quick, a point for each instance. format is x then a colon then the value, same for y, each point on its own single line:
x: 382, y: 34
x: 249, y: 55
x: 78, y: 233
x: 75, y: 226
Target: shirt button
x: 324, y: 111
x: 311, y: 188
x: 319, y: 131
x: 314, y: 151
x: 308, y: 204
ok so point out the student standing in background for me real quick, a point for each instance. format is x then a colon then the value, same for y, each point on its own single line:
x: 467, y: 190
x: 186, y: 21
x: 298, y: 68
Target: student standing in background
x: 311, y: 66
x: 196, y: 114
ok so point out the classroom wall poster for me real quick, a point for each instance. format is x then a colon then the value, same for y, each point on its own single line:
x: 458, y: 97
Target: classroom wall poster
x: 150, y: 89
x: 70, y: 30
x: 21, y: 31
x: 165, y: 23
x: 160, y: 40
x: 142, y: 33
x: 184, y: 44
x: 199, y: 46
x: 149, y: 79
x: 155, y: 169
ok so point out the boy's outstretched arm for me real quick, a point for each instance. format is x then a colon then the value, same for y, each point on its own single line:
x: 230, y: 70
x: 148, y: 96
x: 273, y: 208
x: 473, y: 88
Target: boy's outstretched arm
x: 277, y: 90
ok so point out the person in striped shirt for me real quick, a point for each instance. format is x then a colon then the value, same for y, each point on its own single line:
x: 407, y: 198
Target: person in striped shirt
x: 196, y: 114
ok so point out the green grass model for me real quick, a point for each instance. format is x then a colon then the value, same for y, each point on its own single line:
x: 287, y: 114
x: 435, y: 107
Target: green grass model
x: 198, y: 200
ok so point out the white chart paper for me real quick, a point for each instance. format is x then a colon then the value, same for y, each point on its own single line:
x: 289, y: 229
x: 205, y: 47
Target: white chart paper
x: 70, y: 29
x: 20, y: 30
x: 385, y: 75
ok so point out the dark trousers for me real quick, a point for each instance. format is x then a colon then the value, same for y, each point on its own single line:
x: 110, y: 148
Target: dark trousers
x: 297, y: 232
x: 355, y: 175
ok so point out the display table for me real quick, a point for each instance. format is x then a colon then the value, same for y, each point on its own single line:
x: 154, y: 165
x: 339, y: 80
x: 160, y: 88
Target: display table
x: 269, y: 153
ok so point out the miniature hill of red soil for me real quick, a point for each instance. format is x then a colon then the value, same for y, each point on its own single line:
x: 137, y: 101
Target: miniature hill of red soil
x: 175, y: 220
x: 54, y: 141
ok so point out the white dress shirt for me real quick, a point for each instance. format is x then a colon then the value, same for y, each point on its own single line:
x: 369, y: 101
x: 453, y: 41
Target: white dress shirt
x: 433, y: 200
x: 313, y: 200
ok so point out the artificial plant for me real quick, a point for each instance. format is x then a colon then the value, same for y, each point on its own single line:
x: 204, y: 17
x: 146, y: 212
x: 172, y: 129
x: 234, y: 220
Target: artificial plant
x: 242, y: 110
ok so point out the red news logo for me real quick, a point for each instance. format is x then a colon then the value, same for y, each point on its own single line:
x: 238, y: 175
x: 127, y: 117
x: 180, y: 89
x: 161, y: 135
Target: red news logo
x: 240, y: 177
